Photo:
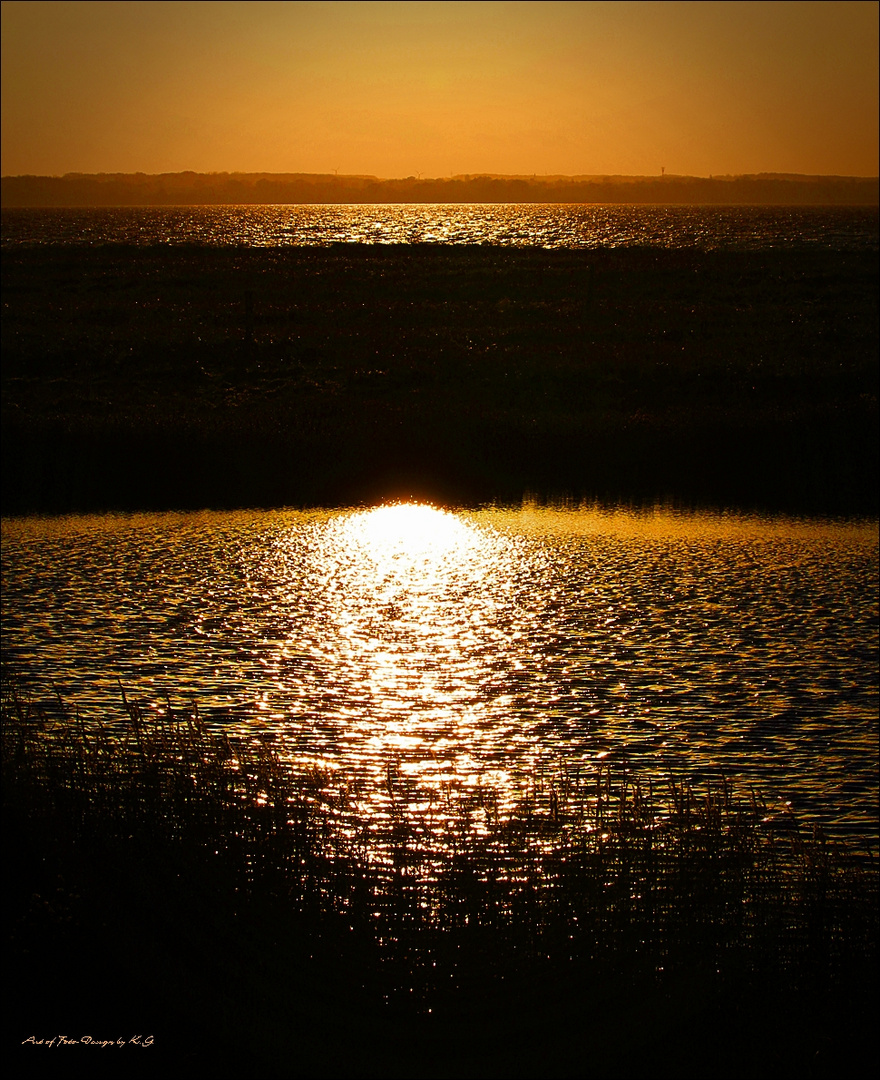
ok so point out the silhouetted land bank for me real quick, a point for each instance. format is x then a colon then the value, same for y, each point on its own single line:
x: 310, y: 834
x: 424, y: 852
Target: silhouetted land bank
x: 186, y: 377
x: 168, y: 882
x: 204, y: 189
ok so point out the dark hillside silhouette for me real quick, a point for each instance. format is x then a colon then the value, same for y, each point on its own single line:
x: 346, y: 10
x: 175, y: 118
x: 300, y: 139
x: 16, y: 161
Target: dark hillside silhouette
x: 190, y: 188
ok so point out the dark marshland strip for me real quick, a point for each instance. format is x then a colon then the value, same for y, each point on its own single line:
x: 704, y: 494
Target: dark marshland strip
x: 163, y: 881
x: 186, y: 377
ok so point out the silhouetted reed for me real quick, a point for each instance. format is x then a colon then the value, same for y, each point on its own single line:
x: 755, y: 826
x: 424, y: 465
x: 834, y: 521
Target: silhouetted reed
x: 585, y: 870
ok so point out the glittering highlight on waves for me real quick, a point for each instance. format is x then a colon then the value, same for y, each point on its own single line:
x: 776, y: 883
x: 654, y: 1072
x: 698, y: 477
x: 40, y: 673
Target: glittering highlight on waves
x: 415, y: 624
x: 542, y: 225
x: 467, y: 648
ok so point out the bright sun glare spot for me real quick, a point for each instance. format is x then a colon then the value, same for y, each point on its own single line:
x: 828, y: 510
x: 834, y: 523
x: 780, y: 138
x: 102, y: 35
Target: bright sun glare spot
x: 412, y: 529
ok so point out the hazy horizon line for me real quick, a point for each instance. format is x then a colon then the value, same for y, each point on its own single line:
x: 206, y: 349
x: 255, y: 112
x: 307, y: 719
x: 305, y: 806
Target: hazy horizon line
x: 191, y: 188
x: 479, y: 175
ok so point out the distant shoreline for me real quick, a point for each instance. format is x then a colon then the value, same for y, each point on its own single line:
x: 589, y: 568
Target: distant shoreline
x: 225, y: 189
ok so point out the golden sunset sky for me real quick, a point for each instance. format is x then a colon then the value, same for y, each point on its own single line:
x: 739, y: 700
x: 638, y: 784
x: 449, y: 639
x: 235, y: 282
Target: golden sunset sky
x: 438, y: 89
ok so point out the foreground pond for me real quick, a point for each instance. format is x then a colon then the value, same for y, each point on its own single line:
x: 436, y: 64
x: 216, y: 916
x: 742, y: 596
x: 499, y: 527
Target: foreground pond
x: 475, y: 646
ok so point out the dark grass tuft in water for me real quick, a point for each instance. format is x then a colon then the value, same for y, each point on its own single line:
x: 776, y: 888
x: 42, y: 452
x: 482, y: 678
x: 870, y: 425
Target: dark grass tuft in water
x: 167, y: 876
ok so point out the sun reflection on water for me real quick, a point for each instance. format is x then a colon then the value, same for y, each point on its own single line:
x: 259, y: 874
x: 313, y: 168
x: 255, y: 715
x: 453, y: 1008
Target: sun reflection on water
x: 410, y: 652
x: 416, y: 622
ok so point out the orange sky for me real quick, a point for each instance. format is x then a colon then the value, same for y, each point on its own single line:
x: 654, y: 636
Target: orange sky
x: 398, y: 89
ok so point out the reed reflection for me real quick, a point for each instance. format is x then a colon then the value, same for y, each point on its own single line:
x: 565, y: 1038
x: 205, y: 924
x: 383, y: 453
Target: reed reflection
x: 416, y: 625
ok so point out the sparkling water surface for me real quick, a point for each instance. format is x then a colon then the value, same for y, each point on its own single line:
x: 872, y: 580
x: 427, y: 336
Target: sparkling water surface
x: 476, y: 646
x: 542, y: 225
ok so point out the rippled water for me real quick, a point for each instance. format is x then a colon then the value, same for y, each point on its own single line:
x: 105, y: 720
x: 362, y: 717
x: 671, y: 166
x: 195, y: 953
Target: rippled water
x: 477, y: 645
x: 541, y: 225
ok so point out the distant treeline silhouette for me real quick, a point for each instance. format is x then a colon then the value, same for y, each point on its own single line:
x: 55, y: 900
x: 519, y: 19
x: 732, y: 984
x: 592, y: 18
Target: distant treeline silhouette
x: 190, y: 188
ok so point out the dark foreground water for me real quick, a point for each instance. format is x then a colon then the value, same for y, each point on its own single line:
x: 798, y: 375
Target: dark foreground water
x: 476, y: 646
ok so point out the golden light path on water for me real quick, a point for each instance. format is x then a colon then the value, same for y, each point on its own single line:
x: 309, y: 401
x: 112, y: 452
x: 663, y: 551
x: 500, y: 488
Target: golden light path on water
x: 411, y: 652
x: 550, y: 225
x: 416, y: 623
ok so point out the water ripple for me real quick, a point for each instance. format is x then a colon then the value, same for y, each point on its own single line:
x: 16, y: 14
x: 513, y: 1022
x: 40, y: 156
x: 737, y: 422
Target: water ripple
x: 476, y: 646
x: 543, y: 225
